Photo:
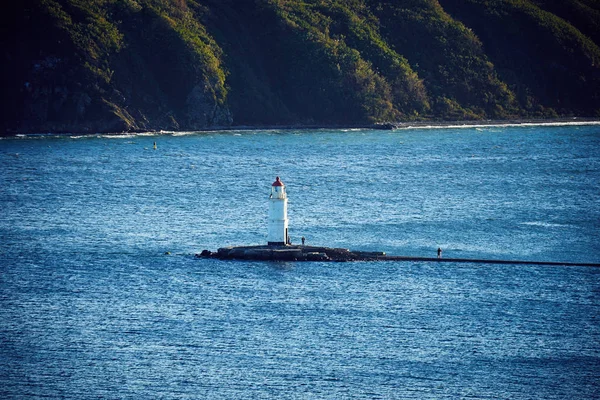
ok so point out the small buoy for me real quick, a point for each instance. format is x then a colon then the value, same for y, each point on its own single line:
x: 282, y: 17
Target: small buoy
x: 167, y: 253
x: 154, y: 145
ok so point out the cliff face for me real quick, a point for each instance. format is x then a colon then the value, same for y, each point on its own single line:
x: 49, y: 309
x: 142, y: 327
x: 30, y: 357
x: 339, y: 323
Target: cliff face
x: 99, y: 65
x: 119, y: 65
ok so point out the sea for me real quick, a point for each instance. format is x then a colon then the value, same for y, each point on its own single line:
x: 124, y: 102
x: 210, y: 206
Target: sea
x: 102, y: 297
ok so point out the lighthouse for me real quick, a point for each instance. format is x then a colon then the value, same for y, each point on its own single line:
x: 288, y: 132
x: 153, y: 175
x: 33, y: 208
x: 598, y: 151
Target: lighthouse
x: 278, y: 222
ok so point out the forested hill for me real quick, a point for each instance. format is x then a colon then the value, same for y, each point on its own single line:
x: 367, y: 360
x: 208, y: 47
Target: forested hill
x: 117, y: 65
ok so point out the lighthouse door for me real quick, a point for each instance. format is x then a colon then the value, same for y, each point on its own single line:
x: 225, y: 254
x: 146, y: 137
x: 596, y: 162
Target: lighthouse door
x: 287, y: 239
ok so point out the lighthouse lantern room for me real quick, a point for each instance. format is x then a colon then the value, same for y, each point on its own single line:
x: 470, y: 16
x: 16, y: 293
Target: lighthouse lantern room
x: 278, y: 221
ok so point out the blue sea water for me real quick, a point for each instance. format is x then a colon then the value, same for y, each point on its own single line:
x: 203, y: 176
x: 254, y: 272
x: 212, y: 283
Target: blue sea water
x: 92, y: 306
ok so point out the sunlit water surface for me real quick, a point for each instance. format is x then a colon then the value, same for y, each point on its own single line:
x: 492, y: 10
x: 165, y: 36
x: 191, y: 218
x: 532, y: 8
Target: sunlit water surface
x: 91, y: 306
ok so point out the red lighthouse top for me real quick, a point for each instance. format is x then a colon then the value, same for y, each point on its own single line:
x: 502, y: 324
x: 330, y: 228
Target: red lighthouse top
x: 277, y: 182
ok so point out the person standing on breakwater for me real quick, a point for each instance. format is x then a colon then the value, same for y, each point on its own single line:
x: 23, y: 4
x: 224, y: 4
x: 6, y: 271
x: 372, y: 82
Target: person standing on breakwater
x: 439, y: 252
x: 303, y: 240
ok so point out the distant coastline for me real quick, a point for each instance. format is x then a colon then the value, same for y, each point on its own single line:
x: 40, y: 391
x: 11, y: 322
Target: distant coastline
x: 378, y: 126
x: 426, y: 124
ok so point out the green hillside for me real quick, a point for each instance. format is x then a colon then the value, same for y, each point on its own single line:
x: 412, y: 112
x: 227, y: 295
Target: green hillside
x: 122, y: 65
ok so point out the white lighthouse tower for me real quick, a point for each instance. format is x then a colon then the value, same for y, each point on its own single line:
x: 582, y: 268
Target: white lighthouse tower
x: 278, y: 221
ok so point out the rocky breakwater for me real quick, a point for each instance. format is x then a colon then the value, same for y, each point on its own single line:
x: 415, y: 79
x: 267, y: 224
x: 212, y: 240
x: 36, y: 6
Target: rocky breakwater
x: 315, y: 253
x: 290, y: 253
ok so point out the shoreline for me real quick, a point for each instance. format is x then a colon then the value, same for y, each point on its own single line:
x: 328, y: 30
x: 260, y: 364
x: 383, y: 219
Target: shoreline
x: 402, y: 125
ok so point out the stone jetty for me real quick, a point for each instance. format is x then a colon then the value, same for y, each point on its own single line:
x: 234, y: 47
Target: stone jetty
x: 318, y: 253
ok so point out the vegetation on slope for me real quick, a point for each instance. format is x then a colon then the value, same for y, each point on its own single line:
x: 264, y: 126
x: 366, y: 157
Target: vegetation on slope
x: 550, y: 65
x: 111, y: 65
x: 461, y: 80
x: 114, y: 65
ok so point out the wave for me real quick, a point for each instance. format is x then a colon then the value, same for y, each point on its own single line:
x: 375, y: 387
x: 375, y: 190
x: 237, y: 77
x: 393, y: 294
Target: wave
x: 545, y: 224
x: 481, y: 126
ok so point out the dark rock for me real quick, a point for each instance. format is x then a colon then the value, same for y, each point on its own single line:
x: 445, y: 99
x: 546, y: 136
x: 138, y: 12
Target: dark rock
x: 385, y: 126
x: 316, y: 256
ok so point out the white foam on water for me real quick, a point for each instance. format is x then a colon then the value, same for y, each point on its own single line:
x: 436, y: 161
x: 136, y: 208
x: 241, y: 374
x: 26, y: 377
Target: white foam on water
x: 545, y: 224
x: 480, y: 127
